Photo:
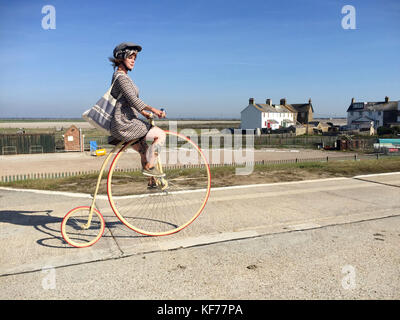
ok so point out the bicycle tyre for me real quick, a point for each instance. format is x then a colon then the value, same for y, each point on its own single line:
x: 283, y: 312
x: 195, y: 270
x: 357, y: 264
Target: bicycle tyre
x: 73, y: 232
x: 160, y: 212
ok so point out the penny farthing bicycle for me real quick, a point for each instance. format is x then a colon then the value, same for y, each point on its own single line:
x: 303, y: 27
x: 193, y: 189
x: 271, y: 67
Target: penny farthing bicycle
x: 169, y: 205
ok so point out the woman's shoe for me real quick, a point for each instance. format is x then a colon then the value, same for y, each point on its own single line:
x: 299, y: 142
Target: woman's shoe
x: 152, y: 184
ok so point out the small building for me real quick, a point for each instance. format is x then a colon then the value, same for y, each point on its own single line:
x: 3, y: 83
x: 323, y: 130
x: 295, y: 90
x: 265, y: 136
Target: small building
x: 318, y: 127
x: 298, y: 129
x: 271, y: 116
x: 363, y: 115
x: 73, y: 139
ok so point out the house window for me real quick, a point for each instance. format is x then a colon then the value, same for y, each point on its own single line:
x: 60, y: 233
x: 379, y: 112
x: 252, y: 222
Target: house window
x: 379, y: 113
x: 360, y: 113
x: 351, y: 113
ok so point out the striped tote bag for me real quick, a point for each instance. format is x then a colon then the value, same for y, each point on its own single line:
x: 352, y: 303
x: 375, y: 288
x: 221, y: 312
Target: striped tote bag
x: 101, y: 113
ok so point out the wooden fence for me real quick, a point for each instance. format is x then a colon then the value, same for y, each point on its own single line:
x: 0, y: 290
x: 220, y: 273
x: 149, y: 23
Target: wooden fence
x: 265, y: 140
x: 60, y: 175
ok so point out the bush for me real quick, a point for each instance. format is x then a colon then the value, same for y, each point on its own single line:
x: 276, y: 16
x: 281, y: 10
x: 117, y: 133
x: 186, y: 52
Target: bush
x: 388, y: 131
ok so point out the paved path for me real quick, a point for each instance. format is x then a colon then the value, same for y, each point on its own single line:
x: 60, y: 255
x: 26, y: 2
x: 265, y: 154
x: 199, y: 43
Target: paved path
x: 333, y: 238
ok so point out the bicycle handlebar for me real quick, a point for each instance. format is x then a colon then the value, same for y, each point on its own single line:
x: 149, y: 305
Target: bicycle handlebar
x: 152, y: 114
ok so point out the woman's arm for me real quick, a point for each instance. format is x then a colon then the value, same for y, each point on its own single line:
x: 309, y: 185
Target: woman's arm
x: 128, y: 91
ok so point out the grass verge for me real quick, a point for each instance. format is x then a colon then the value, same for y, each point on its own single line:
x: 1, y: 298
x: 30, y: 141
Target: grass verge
x: 226, y: 176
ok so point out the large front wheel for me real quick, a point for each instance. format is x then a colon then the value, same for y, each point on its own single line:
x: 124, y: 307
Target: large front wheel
x: 161, y: 206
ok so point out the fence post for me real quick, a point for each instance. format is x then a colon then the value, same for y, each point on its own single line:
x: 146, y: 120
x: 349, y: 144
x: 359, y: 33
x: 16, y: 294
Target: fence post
x: 355, y: 157
x: 327, y: 158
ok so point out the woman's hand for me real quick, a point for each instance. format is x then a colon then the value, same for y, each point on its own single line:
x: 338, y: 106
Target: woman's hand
x: 160, y: 114
x: 147, y: 115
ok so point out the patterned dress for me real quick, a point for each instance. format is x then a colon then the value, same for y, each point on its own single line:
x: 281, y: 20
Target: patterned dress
x: 126, y: 125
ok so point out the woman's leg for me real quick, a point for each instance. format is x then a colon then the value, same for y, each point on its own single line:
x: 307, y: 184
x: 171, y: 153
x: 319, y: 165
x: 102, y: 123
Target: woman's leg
x: 141, y: 147
x: 158, y: 137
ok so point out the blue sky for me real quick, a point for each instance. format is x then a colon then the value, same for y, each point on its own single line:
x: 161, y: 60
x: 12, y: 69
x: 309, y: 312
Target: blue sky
x: 202, y: 58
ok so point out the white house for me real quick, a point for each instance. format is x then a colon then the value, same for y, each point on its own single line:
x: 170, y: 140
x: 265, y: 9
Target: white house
x: 363, y: 115
x: 269, y: 116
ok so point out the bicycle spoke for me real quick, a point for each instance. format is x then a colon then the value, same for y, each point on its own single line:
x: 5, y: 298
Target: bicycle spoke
x: 154, y: 211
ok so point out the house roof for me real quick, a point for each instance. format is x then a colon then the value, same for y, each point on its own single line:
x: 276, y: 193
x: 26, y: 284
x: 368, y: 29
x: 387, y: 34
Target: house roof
x: 291, y: 108
x: 72, y: 127
x: 265, y: 107
x: 278, y: 108
x: 319, y: 123
x: 302, y: 107
x: 374, y: 106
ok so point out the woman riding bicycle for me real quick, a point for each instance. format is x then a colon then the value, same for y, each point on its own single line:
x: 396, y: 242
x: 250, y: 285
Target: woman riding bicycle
x: 126, y: 125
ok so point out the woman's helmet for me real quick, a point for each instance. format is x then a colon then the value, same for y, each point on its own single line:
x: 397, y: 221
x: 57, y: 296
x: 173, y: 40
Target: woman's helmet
x: 125, y: 49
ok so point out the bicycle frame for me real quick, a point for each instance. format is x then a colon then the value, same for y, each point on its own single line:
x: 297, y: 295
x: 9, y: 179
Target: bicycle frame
x: 117, y: 147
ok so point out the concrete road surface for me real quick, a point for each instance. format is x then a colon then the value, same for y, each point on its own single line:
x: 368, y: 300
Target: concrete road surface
x: 322, y: 239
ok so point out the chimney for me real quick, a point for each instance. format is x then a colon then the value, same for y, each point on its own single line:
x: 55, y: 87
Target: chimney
x: 386, y: 99
x: 309, y: 101
x: 353, y: 100
x: 283, y: 102
x: 251, y: 101
x: 269, y: 102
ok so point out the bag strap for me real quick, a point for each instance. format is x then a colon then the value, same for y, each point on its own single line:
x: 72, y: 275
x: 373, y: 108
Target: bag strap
x: 118, y: 74
x: 109, y: 90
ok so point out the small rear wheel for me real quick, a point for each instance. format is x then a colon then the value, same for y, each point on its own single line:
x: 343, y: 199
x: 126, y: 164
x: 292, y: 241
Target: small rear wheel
x: 78, y: 231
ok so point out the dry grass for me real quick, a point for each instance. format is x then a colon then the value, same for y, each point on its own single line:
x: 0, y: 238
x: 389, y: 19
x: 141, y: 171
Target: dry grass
x: 225, y: 176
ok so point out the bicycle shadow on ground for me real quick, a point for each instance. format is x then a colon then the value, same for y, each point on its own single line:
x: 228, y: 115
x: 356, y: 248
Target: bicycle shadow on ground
x: 50, y: 225
x: 40, y: 222
x: 23, y: 219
